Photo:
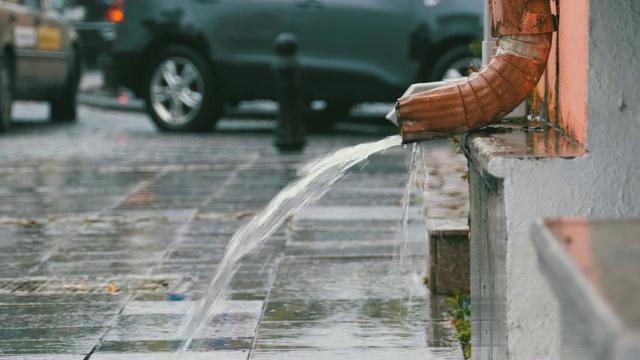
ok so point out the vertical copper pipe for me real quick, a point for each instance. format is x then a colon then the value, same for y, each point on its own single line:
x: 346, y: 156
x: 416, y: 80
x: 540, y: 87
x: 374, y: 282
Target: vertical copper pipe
x: 518, y: 62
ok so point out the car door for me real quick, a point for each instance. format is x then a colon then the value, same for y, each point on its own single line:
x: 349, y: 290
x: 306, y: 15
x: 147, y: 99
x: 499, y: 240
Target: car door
x: 354, y: 48
x: 53, y: 44
x: 240, y: 34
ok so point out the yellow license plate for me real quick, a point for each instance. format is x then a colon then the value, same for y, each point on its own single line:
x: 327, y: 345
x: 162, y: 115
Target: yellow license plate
x: 49, y: 39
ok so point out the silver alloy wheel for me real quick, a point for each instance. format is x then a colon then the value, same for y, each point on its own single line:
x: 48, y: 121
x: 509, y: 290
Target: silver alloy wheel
x: 6, y: 98
x: 460, y: 68
x: 176, y: 91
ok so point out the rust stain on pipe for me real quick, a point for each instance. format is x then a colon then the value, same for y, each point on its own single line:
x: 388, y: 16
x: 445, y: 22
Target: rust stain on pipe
x: 521, y: 17
x: 518, y: 62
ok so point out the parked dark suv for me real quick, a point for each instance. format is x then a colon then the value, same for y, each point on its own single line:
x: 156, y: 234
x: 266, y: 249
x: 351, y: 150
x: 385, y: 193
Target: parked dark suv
x: 188, y: 58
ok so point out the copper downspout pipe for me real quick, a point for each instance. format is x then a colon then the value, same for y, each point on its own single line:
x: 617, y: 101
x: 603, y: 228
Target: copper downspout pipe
x: 525, y: 30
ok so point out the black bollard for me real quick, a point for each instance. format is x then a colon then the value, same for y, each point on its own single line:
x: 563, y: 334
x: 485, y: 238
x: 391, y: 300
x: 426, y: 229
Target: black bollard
x: 289, y: 134
x: 105, y: 60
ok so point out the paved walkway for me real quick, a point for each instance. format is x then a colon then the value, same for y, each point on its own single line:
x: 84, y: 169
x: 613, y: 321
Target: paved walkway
x: 102, y: 256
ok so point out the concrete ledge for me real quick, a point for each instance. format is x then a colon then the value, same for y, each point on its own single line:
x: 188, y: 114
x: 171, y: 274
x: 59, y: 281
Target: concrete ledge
x: 496, y: 148
x: 509, y: 170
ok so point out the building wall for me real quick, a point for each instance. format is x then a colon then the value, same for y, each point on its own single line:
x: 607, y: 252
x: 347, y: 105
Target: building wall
x: 572, y: 62
x: 613, y: 88
x: 603, y: 183
x: 561, y: 94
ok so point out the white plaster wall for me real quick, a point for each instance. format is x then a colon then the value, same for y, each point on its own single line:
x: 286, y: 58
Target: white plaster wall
x: 613, y: 95
x: 533, y: 320
x: 603, y: 184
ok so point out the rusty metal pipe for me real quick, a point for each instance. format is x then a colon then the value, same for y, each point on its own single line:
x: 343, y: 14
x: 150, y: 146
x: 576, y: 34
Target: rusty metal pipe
x: 525, y: 29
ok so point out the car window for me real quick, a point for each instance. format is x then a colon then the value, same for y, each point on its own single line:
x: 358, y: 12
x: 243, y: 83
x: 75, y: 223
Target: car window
x: 61, y: 5
x: 34, y: 4
x: 58, y: 5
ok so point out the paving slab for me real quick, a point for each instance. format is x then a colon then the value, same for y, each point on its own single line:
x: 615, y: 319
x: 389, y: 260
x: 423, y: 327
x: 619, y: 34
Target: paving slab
x: 327, y: 279
x: 18, y: 321
x: 51, y: 333
x: 352, y: 249
x: 217, y: 355
x: 360, y: 354
x: 354, y: 213
x: 379, y: 310
x: 354, y: 336
x: 416, y: 232
x: 45, y: 357
x: 212, y: 345
x: 71, y: 348
x: 354, y: 217
x: 62, y: 308
x: 77, y: 298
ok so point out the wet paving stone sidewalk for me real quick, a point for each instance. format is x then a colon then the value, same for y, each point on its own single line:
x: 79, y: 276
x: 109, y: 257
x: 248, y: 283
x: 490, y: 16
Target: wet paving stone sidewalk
x: 101, y: 259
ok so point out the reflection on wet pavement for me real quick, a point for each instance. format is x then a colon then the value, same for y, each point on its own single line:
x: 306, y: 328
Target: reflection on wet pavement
x: 105, y: 248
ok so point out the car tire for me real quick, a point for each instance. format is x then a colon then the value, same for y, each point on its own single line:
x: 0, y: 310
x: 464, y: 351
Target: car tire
x: 180, y: 91
x: 64, y: 107
x: 6, y: 95
x: 324, y: 121
x: 453, y: 63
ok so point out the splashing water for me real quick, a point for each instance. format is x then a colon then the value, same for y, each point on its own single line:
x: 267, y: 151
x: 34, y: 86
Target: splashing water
x: 408, y: 266
x: 418, y: 178
x: 316, y: 179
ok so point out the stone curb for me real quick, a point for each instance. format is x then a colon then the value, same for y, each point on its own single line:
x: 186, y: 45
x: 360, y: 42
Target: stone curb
x: 449, y: 258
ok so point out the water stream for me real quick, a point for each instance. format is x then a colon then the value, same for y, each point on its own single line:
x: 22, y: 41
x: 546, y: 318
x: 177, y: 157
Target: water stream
x: 316, y: 179
x: 408, y: 267
x: 418, y: 178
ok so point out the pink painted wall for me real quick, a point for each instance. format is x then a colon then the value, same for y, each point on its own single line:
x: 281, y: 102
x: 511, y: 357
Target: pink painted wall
x: 562, y: 91
x: 572, y: 74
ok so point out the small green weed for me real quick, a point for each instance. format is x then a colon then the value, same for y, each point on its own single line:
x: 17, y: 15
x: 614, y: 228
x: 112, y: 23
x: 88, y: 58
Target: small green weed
x: 460, y: 312
x: 476, y: 47
x: 456, y: 144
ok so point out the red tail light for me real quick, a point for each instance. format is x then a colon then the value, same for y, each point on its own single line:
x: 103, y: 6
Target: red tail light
x: 115, y: 13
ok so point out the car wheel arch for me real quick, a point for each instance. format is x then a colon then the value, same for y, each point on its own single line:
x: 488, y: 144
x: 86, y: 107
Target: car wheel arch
x: 435, y: 52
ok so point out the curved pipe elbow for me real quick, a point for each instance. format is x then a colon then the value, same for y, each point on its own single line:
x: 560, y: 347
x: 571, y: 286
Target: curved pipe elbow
x: 482, y: 98
x: 486, y: 96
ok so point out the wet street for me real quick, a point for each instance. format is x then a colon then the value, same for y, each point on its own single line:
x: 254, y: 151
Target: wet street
x: 111, y: 230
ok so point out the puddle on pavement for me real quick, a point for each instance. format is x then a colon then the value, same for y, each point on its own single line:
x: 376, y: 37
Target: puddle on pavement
x: 342, y: 284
